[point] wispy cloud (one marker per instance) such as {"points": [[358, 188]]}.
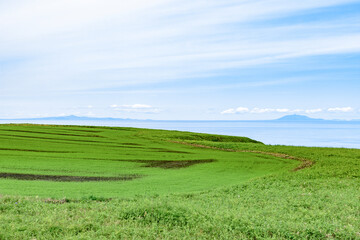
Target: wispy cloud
{"points": [[135, 108], [254, 110], [284, 110], [340, 109], [154, 41], [64, 53], [317, 110], [269, 110]]}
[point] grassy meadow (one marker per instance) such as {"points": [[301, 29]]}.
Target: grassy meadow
{"points": [[81, 182]]}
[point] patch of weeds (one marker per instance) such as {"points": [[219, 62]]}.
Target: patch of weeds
{"points": [[163, 214], [96, 198], [57, 201]]}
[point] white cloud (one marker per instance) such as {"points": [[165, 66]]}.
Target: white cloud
{"points": [[284, 110], [242, 110], [229, 111], [237, 110], [261, 110], [138, 106], [298, 110], [135, 108], [269, 110], [317, 110], [254, 110], [136, 42], [340, 109], [68, 47]]}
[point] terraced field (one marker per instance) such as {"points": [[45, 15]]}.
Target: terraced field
{"points": [[68, 161], [78, 182]]}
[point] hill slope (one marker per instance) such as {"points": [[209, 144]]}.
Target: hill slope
{"points": [[72, 161], [242, 190]]}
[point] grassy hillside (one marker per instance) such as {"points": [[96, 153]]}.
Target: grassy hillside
{"points": [[73, 182], [75, 162]]}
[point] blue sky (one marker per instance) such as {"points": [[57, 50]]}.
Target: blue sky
{"points": [[180, 59]]}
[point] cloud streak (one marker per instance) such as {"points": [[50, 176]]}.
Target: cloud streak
{"points": [[135, 108], [154, 41], [240, 110], [340, 109]]}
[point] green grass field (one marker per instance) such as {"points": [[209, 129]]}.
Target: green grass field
{"points": [[77, 182]]}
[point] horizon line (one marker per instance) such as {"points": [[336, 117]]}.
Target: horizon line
{"points": [[306, 118]]}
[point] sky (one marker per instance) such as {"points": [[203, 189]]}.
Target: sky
{"points": [[180, 59]]}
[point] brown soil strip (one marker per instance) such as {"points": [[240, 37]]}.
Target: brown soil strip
{"points": [[131, 144], [59, 178], [56, 201], [173, 164], [305, 163], [33, 150], [166, 164], [173, 151], [169, 150]]}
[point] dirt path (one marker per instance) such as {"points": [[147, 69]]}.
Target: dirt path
{"points": [[305, 163]]}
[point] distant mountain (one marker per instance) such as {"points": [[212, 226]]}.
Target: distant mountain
{"points": [[288, 118], [77, 118], [70, 117], [298, 118]]}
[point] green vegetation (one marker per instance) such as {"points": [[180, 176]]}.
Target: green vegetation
{"points": [[149, 184], [146, 162]]}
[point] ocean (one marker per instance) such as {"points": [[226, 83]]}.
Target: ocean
{"points": [[315, 134]]}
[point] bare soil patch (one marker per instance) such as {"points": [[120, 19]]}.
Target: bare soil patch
{"points": [[166, 164], [169, 150], [131, 144], [60, 178], [34, 150]]}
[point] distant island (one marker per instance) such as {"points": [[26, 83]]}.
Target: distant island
{"points": [[298, 118], [286, 118], [302, 118], [75, 118], [78, 118]]}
